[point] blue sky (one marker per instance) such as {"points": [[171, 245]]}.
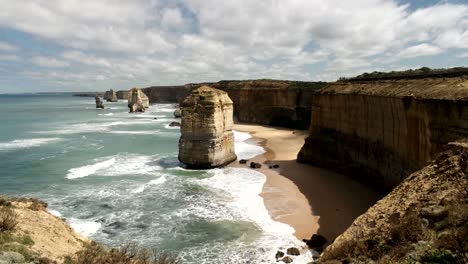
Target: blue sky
{"points": [[88, 45]]}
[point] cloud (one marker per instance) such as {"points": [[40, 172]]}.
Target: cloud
{"points": [[423, 49], [4, 46], [171, 42], [49, 62]]}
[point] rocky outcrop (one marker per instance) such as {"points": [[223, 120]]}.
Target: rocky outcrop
{"points": [[382, 131], [178, 113], [38, 236], [99, 103], [138, 101], [207, 140], [265, 102], [110, 96], [122, 95], [423, 220]]}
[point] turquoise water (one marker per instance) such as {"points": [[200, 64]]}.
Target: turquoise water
{"points": [[115, 177]]}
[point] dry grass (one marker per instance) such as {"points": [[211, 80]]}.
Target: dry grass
{"points": [[8, 219], [128, 254]]}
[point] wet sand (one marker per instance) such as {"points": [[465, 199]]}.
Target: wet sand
{"points": [[310, 199]]}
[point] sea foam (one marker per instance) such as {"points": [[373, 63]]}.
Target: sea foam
{"points": [[84, 227], [245, 149], [26, 143]]}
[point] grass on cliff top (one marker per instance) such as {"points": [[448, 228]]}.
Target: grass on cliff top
{"points": [[423, 72]]}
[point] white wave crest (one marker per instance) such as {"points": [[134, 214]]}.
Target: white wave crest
{"points": [[84, 227], [158, 181], [117, 165], [26, 143]]}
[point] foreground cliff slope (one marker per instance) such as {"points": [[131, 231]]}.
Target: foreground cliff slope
{"points": [[380, 131], [28, 232], [423, 220]]}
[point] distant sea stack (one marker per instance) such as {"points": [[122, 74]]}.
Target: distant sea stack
{"points": [[207, 140], [137, 101], [99, 103], [122, 95], [110, 96]]}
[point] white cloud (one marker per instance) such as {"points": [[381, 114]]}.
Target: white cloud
{"points": [[4, 46], [9, 57], [172, 42], [423, 49], [49, 62], [463, 55]]}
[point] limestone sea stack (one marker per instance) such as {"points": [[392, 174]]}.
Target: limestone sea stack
{"points": [[207, 140], [137, 100], [110, 96], [99, 103]]}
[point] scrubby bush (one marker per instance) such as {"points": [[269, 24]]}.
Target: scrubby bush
{"points": [[8, 219], [128, 254]]}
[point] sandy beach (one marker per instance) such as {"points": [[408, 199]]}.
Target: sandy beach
{"points": [[310, 199]]}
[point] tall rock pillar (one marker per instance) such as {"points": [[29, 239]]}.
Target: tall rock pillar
{"points": [[137, 100], [207, 140]]}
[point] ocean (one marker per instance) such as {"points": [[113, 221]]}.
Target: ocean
{"points": [[115, 177]]}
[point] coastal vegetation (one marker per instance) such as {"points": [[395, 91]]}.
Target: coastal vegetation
{"points": [[424, 72]]}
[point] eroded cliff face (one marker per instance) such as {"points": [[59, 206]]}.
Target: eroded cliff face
{"points": [[265, 102], [381, 131], [207, 140], [122, 95], [424, 219]]}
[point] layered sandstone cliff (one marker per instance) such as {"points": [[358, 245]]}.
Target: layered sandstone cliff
{"points": [[110, 96], [381, 131], [122, 95], [138, 101], [265, 102], [207, 140], [423, 220]]}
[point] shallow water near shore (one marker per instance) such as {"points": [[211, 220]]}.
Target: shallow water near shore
{"points": [[115, 177]]}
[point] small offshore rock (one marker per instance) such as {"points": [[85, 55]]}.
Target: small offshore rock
{"points": [[178, 113], [243, 161], [316, 241], [293, 251], [287, 259], [279, 254], [174, 124], [255, 165], [99, 103], [275, 166]]}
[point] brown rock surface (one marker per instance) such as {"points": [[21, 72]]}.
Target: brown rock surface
{"points": [[425, 216], [207, 140], [138, 101], [381, 131], [110, 96], [122, 95], [99, 103]]}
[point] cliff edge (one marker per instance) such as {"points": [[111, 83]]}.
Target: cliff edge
{"points": [[423, 220], [382, 131]]}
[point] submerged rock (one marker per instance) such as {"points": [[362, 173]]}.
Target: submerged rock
{"points": [[243, 161], [99, 103], [287, 259], [137, 101], [279, 254], [110, 96], [174, 124], [207, 140]]}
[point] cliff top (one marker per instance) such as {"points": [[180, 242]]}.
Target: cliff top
{"points": [[420, 73], [207, 96], [452, 88]]}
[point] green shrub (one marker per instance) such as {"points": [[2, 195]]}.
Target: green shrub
{"points": [[8, 219]]}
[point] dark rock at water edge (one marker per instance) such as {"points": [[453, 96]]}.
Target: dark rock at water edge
{"points": [[174, 124], [287, 259], [178, 113], [255, 165], [316, 242], [279, 254], [293, 251], [243, 161]]}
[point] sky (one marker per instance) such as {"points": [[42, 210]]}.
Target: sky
{"points": [[90, 45]]}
